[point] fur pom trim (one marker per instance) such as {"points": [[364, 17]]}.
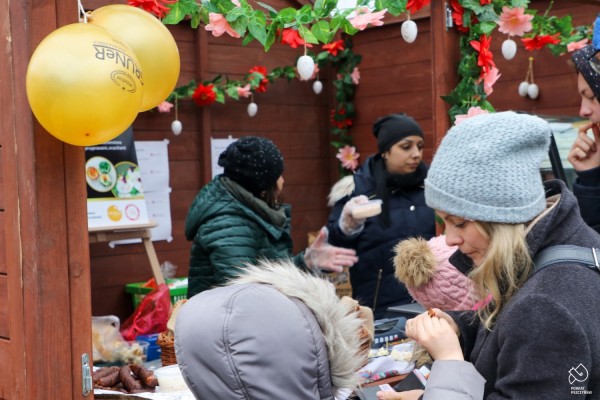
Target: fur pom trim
{"points": [[342, 188], [414, 262], [340, 321]]}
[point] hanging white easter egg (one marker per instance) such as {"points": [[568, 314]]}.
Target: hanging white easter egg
{"points": [[176, 127], [409, 31], [509, 49], [317, 87], [533, 91], [523, 86], [252, 109], [306, 67]]}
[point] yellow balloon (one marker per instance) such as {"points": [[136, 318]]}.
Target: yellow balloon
{"points": [[152, 43], [83, 84]]}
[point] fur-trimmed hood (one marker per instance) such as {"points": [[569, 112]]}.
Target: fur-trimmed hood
{"points": [[273, 333], [342, 188]]}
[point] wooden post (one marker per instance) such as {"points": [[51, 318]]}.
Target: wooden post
{"points": [[445, 57]]}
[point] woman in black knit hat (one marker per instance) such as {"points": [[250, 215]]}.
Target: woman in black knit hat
{"points": [[238, 218], [394, 175], [584, 154]]}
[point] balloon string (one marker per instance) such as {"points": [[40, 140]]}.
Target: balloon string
{"points": [[82, 12], [176, 106]]}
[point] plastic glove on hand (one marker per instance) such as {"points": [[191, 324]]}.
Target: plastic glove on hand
{"points": [[322, 255], [348, 223]]}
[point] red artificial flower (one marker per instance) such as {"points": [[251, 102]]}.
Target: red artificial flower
{"points": [[259, 69], [339, 119], [415, 5], [334, 48], [156, 7], [538, 42], [204, 95], [486, 58], [457, 15], [292, 37], [485, 2]]}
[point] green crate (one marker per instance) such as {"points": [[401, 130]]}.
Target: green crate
{"points": [[138, 292]]}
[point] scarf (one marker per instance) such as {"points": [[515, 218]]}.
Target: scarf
{"points": [[387, 183]]}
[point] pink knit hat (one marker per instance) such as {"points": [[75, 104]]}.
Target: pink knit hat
{"points": [[430, 279]]}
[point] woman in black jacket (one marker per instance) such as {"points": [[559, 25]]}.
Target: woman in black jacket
{"points": [[395, 176]]}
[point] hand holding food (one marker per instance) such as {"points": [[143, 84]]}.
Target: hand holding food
{"points": [[436, 335], [349, 224], [584, 154]]}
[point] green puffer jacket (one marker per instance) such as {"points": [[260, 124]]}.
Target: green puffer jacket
{"points": [[228, 227]]}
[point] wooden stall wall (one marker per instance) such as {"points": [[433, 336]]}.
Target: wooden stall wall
{"points": [[555, 77], [395, 76], [289, 113], [44, 268]]}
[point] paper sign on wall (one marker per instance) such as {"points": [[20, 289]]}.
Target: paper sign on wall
{"points": [[217, 146], [153, 157]]}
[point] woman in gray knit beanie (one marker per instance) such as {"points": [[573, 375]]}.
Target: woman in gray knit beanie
{"points": [[538, 336]]}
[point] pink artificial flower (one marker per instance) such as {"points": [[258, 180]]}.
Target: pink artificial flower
{"points": [[164, 107], [355, 75], [348, 157], [236, 2], [219, 25], [577, 45], [473, 111], [489, 79], [244, 91], [514, 21], [365, 17]]}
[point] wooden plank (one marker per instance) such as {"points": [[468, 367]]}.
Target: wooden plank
{"points": [[4, 319], [7, 373], [3, 243]]}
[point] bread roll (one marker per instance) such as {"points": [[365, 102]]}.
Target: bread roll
{"points": [[368, 210]]}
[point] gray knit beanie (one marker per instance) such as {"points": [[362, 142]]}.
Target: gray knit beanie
{"points": [[487, 168]]}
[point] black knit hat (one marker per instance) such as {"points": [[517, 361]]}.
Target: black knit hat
{"points": [[253, 162], [581, 58], [392, 128]]}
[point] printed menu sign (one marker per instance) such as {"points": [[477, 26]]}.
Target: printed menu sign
{"points": [[114, 185]]}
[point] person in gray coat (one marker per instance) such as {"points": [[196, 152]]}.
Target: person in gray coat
{"points": [[538, 336], [274, 332]]}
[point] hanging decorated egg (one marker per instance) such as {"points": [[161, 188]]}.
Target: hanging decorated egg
{"points": [[523, 86], [409, 31], [306, 67], [252, 109], [317, 87], [533, 91], [176, 127], [509, 49]]}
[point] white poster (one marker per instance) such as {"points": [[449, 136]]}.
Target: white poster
{"points": [[153, 159], [217, 146]]}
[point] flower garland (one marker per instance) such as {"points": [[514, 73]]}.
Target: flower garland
{"points": [[476, 20], [337, 54]]}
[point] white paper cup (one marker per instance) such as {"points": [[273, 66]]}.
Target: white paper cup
{"points": [[170, 379]]}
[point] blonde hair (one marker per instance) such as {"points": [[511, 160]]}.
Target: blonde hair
{"points": [[504, 269]]}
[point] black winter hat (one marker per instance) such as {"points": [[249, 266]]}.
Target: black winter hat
{"points": [[392, 128], [583, 60], [253, 162]]}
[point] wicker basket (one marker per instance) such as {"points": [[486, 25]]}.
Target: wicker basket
{"points": [[167, 348]]}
